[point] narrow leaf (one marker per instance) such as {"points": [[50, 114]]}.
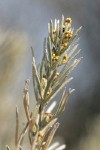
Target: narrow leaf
{"points": [[50, 136], [60, 103], [26, 100], [45, 131], [22, 134], [51, 28], [49, 50], [35, 74], [50, 82], [61, 84], [73, 50]]}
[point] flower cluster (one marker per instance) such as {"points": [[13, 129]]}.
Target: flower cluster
{"points": [[60, 44]]}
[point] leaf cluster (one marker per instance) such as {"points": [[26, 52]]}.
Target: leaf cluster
{"points": [[53, 74]]}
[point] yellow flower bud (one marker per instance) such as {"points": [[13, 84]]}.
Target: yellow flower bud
{"points": [[53, 31], [65, 57], [57, 74], [34, 129], [68, 20], [68, 34], [57, 57], [48, 93], [63, 28], [65, 44], [53, 55]]}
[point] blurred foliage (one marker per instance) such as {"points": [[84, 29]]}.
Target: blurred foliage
{"points": [[13, 48]]}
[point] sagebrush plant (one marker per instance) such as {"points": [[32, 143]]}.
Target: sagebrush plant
{"points": [[58, 61]]}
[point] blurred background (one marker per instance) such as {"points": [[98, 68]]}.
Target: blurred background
{"points": [[23, 23]]}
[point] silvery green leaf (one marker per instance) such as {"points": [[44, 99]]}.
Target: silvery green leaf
{"points": [[62, 71], [57, 35], [45, 131], [42, 68], [72, 30], [35, 116], [73, 50], [34, 81], [63, 101], [65, 72], [51, 28], [61, 77], [61, 74], [35, 75], [55, 24], [77, 31], [34, 86], [75, 34], [61, 84], [60, 103], [71, 90], [54, 65], [71, 68], [72, 45], [49, 50], [72, 57], [50, 136], [49, 82], [62, 21], [46, 59], [48, 126], [45, 49], [36, 93], [62, 147], [60, 33], [54, 145]]}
